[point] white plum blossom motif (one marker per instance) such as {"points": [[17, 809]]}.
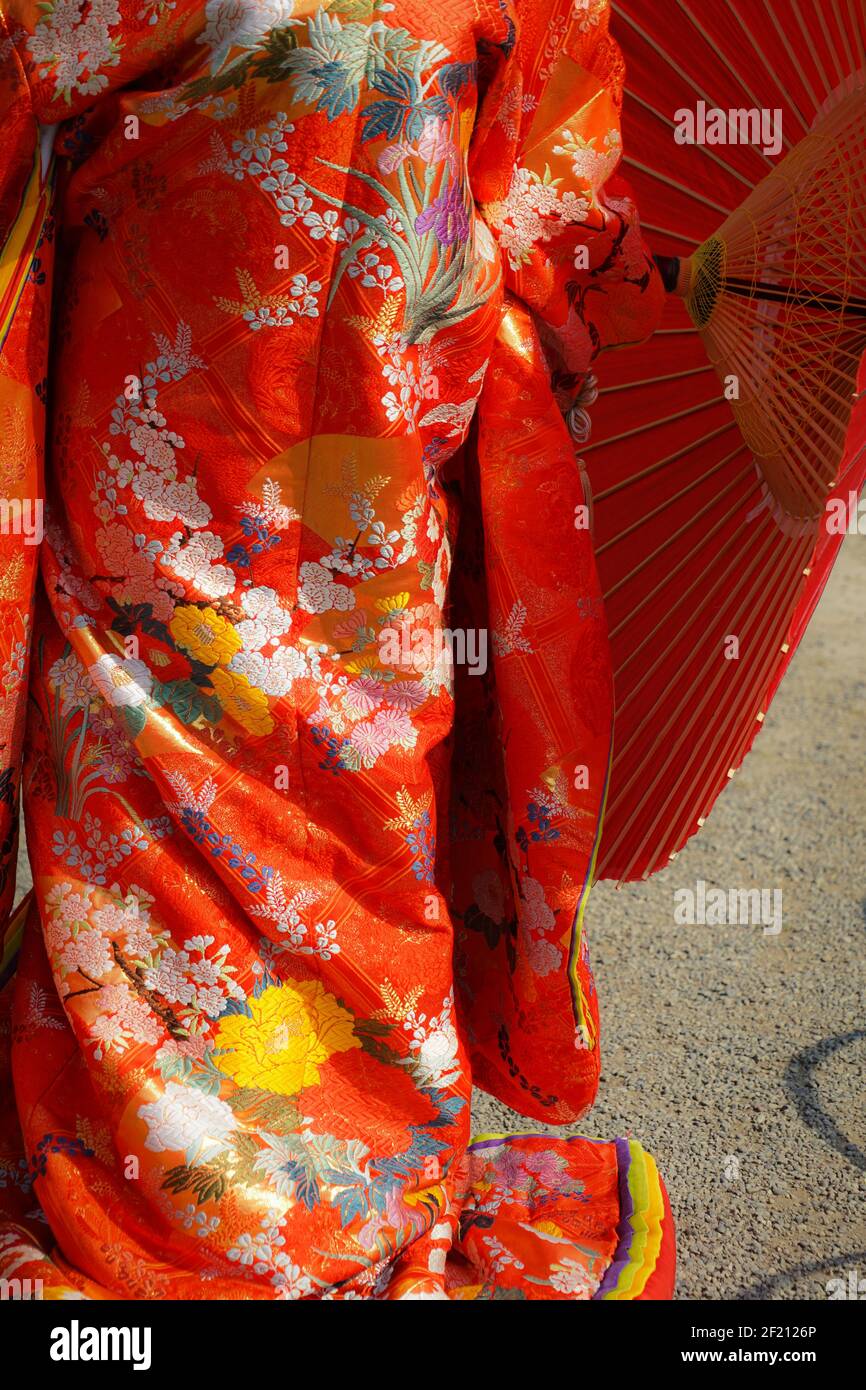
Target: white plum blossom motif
{"points": [[170, 500], [72, 41], [241, 24], [574, 1279], [434, 1046], [185, 1120], [273, 675], [319, 593], [154, 443], [122, 681], [193, 560], [266, 619]]}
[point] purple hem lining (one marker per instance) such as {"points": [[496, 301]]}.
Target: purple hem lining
{"points": [[624, 1227]]}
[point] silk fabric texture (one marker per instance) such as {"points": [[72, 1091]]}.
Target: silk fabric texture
{"points": [[325, 280]]}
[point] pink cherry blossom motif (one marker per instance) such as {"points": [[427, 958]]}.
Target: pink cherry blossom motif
{"points": [[88, 951]]}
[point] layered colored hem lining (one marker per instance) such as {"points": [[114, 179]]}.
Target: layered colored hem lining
{"points": [[644, 1265]]}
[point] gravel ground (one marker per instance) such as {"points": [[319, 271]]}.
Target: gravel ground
{"points": [[738, 1057]]}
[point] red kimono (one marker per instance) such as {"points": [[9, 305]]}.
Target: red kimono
{"points": [[312, 677]]}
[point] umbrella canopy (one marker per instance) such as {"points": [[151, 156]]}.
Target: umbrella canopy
{"points": [[727, 453]]}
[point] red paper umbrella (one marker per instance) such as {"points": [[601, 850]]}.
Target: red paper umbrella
{"points": [[718, 445]]}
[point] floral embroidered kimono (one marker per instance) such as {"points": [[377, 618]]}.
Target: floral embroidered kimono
{"points": [[310, 674]]}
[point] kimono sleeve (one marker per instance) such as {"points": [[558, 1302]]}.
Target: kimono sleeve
{"points": [[72, 53], [56, 60], [543, 165], [26, 244]]}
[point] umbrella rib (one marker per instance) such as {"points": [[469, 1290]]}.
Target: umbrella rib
{"points": [[762, 671], [806, 35], [666, 231], [668, 541], [798, 394], [666, 58], [708, 151], [663, 463], [858, 31], [843, 30], [831, 48], [733, 541], [662, 506], [656, 380], [798, 67], [732, 70], [663, 420], [680, 187], [771, 70], [745, 601]]}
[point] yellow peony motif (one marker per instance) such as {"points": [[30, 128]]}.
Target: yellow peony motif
{"points": [[205, 634], [294, 1029], [241, 701]]}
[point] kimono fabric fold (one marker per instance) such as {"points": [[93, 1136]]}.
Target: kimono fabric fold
{"points": [[315, 673]]}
